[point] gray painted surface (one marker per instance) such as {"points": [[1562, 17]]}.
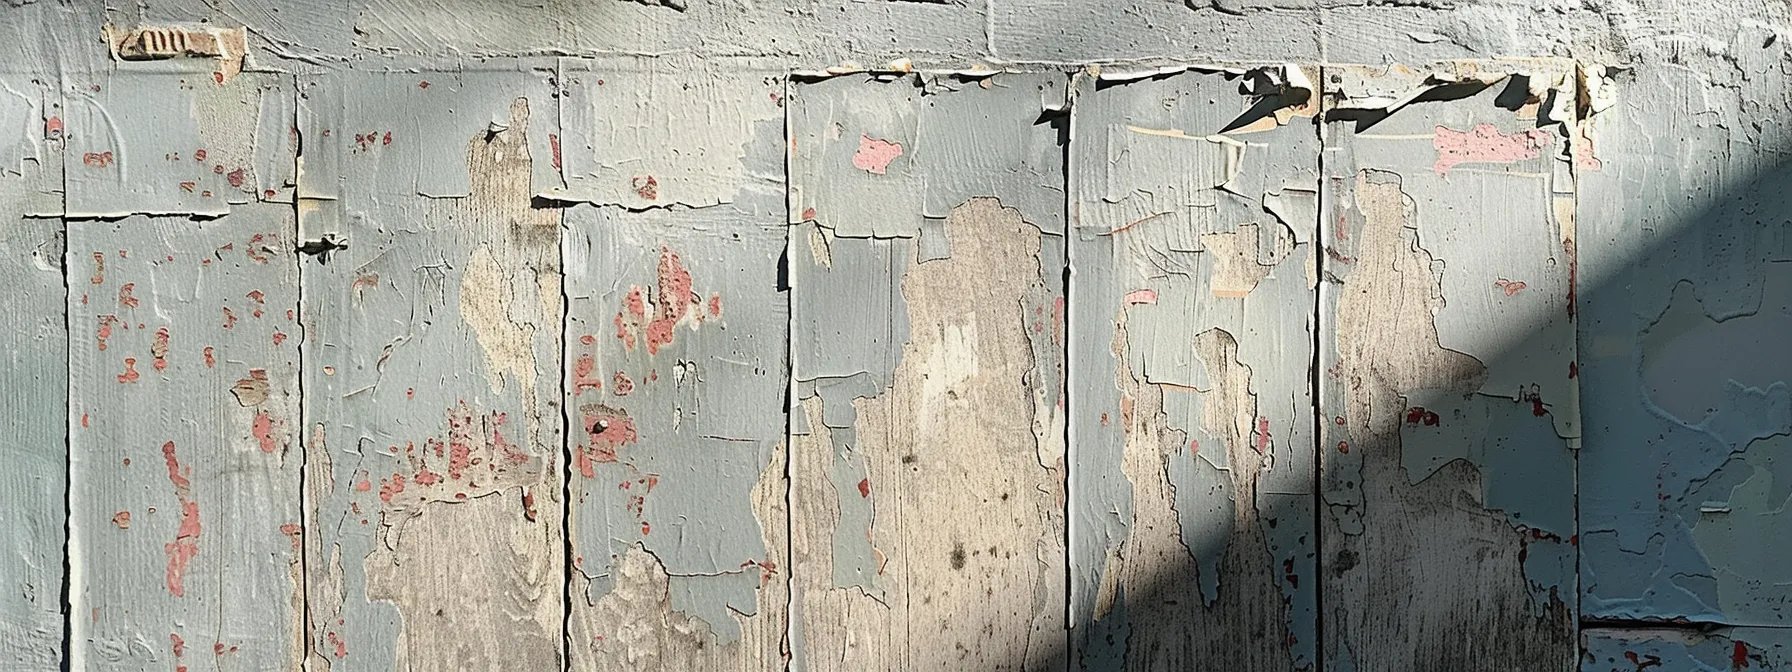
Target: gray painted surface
{"points": [[34, 365], [1191, 347]]}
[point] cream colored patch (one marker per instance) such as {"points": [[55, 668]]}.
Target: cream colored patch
{"points": [[951, 363], [228, 45], [484, 296]]}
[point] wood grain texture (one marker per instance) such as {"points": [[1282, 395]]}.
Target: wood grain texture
{"points": [[1447, 346], [927, 446], [432, 370], [676, 382], [34, 366], [1191, 333]]}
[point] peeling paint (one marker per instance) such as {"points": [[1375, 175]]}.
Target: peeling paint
{"points": [[1190, 348]]}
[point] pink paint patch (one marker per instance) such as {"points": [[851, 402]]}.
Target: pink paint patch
{"points": [[183, 548], [1144, 296], [582, 378], [1262, 435], [263, 429], [295, 532], [1485, 144], [874, 156]]}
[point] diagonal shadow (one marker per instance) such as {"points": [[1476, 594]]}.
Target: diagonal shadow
{"points": [[1684, 289]]}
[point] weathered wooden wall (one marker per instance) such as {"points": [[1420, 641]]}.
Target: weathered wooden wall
{"points": [[543, 359]]}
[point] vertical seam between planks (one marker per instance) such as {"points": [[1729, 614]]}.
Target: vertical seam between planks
{"points": [[786, 646], [567, 551], [1574, 325], [1066, 376], [1314, 380], [304, 423], [68, 432], [1070, 339]]}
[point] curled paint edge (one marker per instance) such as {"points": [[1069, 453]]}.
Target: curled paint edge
{"points": [[1544, 75]]}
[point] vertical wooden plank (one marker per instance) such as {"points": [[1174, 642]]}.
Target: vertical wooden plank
{"points": [[1688, 268], [677, 376], [34, 366], [927, 440], [184, 473], [1192, 296], [1447, 346], [432, 372]]}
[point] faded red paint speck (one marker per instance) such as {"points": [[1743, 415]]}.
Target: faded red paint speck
{"points": [[674, 300], [864, 487], [608, 430], [1141, 296], [158, 348], [582, 379], [646, 187], [130, 371], [391, 487], [125, 297]]}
